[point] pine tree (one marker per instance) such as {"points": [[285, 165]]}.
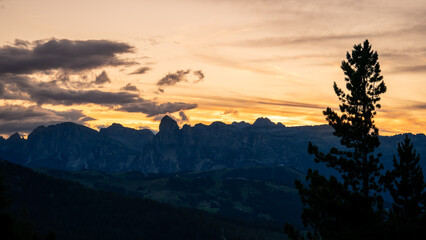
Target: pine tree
{"points": [[408, 190], [349, 208], [355, 126]]}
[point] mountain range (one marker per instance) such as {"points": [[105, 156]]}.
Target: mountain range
{"points": [[69, 146]]}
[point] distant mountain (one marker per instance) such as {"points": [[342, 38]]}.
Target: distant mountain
{"points": [[72, 211], [70, 146]]}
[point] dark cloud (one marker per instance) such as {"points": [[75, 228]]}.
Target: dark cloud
{"points": [[102, 79], [82, 81], [21, 43], [61, 96], [41, 55], [172, 79], [141, 70], [26, 88], [15, 118], [18, 113], [131, 88], [183, 117], [48, 93], [74, 115], [200, 76], [151, 108]]}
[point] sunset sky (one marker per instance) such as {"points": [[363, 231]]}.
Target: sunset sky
{"points": [[132, 61]]}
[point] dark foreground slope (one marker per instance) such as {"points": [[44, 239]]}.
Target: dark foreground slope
{"points": [[256, 194], [75, 212]]}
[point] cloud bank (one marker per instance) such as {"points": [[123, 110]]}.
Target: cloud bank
{"points": [[28, 57], [15, 118]]}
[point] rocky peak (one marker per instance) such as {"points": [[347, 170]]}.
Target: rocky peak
{"points": [[263, 122], [168, 125], [241, 124], [218, 124], [114, 128], [116, 125], [14, 138]]}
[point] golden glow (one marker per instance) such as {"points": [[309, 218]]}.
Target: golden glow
{"points": [[275, 59]]}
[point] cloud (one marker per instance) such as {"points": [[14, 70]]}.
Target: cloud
{"points": [[15, 118], [74, 115], [280, 41], [419, 106], [64, 79], [141, 70], [102, 79], [230, 112], [45, 55], [172, 79], [200, 76], [183, 117], [21, 43], [411, 69], [131, 88], [61, 96], [26, 88], [16, 112], [151, 108]]}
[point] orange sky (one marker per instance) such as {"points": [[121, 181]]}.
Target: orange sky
{"points": [[259, 58]]}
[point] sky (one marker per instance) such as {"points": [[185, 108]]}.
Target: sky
{"points": [[199, 61]]}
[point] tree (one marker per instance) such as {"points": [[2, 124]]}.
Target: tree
{"points": [[348, 206], [408, 190]]}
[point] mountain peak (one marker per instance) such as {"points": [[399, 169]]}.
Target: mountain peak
{"points": [[263, 122], [168, 124], [241, 124], [14, 137], [116, 125]]}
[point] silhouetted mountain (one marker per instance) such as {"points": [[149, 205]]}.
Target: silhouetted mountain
{"points": [[241, 124], [70, 146], [128, 136], [168, 125], [15, 138], [263, 122]]}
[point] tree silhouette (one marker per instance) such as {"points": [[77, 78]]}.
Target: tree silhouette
{"points": [[407, 188], [348, 206]]}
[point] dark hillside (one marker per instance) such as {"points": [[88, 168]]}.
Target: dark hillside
{"points": [[75, 212]]}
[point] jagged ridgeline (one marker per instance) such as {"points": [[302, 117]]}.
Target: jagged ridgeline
{"points": [[70, 146]]}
